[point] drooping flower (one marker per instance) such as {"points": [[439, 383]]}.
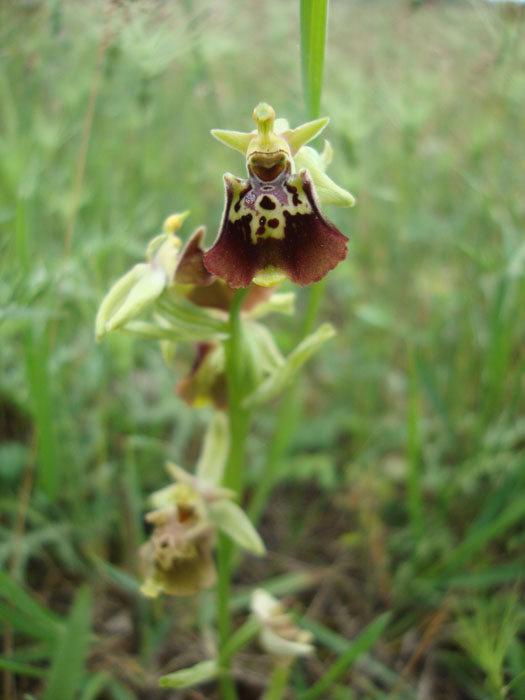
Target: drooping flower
{"points": [[177, 559], [279, 636], [272, 225]]}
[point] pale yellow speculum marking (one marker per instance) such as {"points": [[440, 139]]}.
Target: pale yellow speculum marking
{"points": [[257, 213]]}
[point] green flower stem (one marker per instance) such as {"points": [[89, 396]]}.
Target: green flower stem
{"points": [[239, 421], [288, 416], [239, 639], [278, 682]]}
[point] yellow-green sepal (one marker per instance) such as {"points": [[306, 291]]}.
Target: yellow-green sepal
{"points": [[326, 189], [300, 136], [238, 140]]}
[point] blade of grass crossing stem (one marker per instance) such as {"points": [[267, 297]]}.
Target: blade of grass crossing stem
{"points": [[356, 648], [313, 40], [70, 655]]}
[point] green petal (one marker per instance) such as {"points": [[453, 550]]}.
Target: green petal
{"points": [[238, 140], [214, 453], [304, 133], [234, 522], [326, 189]]}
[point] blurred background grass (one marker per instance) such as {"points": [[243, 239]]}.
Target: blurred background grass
{"points": [[402, 489]]}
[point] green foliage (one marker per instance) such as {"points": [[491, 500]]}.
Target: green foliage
{"points": [[71, 651], [313, 39], [403, 475]]}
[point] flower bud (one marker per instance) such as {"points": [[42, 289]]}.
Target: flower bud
{"points": [[279, 636]]}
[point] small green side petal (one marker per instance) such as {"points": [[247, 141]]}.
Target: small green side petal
{"points": [[212, 460], [238, 140], [233, 521], [326, 189], [302, 134]]}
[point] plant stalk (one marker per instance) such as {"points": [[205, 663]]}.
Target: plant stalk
{"points": [[278, 682], [239, 422], [289, 414]]}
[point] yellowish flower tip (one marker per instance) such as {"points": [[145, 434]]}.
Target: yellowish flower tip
{"points": [[184, 495], [173, 223], [264, 117]]}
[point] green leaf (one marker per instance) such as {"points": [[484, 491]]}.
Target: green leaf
{"points": [[28, 626], [313, 40], [284, 374], [94, 685], [68, 662], [116, 576], [187, 677], [40, 382], [24, 602], [21, 669], [356, 648]]}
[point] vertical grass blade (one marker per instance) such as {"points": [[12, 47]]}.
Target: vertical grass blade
{"points": [[360, 645], [37, 370], [413, 452], [70, 655], [313, 40]]}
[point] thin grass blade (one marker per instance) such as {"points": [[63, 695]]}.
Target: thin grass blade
{"points": [[313, 40], [356, 648], [70, 655]]}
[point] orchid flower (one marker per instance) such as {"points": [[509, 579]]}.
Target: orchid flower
{"points": [[272, 226]]}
